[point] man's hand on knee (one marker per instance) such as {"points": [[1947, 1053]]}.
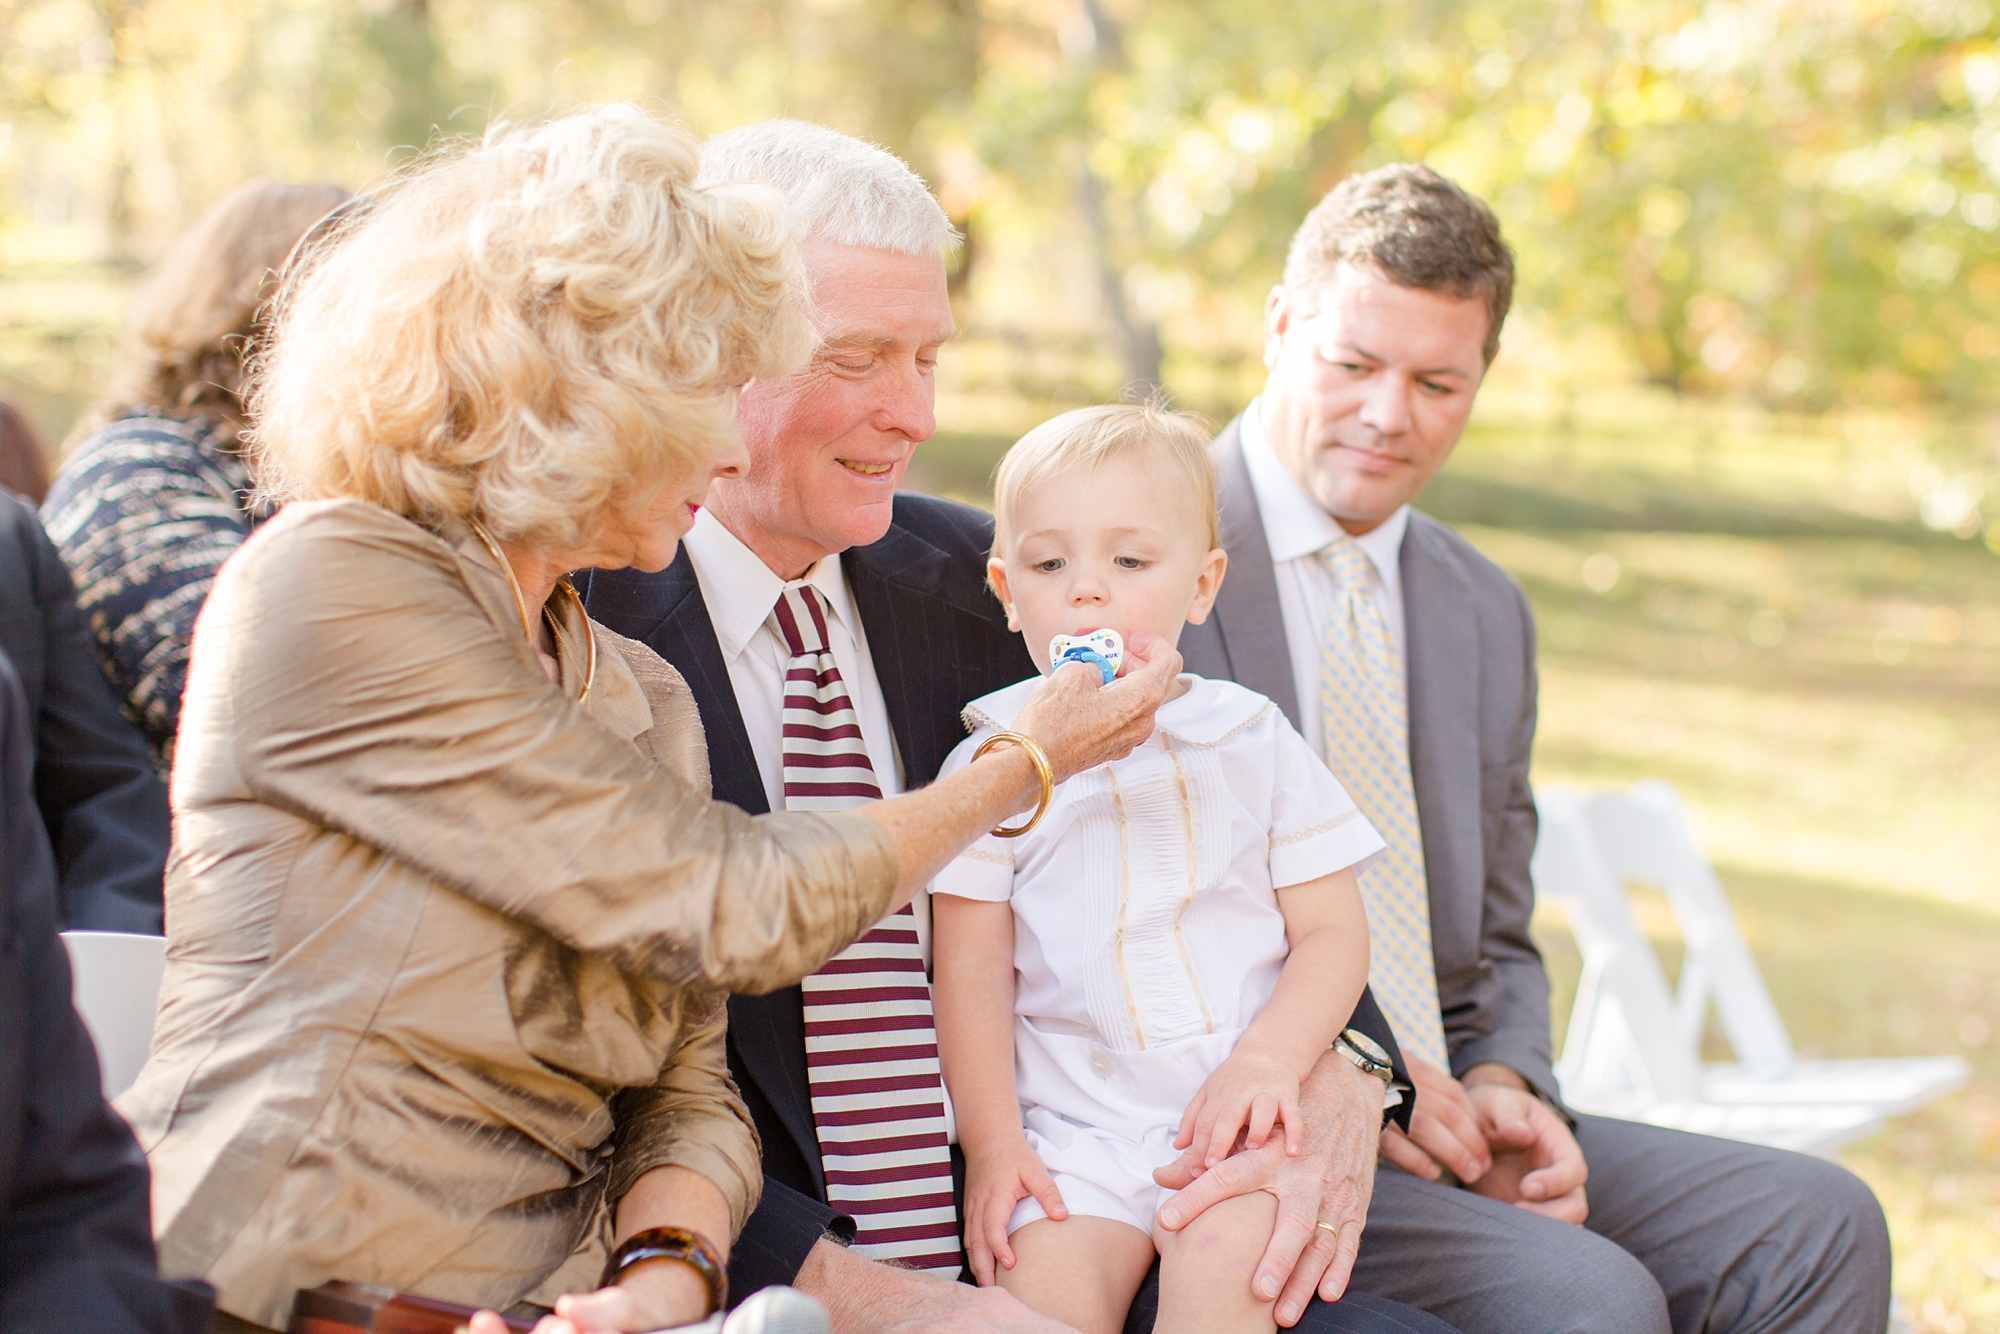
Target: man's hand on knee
{"points": [[1495, 1137], [865, 1297], [1322, 1193], [1445, 1135], [1537, 1163]]}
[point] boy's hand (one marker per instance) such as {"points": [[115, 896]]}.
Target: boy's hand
{"points": [[1249, 1092], [996, 1179]]}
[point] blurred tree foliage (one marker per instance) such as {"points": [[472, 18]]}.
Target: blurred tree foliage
{"points": [[1790, 197], [1793, 200]]}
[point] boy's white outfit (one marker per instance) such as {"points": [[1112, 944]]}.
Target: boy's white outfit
{"points": [[1147, 933]]}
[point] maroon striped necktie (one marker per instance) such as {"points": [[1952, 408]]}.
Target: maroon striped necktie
{"points": [[871, 1040]]}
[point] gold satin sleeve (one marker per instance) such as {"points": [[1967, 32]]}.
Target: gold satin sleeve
{"points": [[377, 698], [691, 1117]]}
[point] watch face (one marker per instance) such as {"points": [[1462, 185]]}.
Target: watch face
{"points": [[1367, 1046]]}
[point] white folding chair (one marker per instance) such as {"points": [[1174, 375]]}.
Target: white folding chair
{"points": [[115, 982], [1627, 1054], [1622, 1045], [1644, 836]]}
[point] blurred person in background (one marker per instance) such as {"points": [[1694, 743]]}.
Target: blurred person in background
{"points": [[24, 463], [452, 912], [75, 1249], [102, 805], [154, 491]]}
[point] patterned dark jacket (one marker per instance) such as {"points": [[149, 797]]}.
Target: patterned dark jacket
{"points": [[144, 512]]}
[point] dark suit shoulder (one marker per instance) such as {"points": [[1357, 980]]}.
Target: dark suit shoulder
{"points": [[946, 523], [23, 547], [17, 517], [22, 593], [964, 535]]}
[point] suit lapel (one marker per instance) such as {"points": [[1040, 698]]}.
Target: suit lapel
{"points": [[1442, 628], [897, 583], [685, 637], [1249, 619], [766, 1033]]}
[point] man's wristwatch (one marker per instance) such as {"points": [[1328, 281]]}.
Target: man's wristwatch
{"points": [[1366, 1054]]}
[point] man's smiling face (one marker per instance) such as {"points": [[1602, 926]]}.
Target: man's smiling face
{"points": [[829, 444], [1370, 386]]}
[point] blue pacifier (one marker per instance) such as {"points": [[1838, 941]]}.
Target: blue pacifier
{"points": [[1102, 647]]}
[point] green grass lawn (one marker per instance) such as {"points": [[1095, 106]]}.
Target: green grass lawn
{"points": [[1755, 616], [1843, 775]]}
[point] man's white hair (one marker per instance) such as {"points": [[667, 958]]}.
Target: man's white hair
{"points": [[842, 189]]}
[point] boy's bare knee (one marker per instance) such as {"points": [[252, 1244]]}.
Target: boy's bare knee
{"points": [[1242, 1222], [1082, 1271], [1205, 1268]]}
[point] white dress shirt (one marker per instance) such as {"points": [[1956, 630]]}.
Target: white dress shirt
{"points": [[740, 590], [1297, 530]]}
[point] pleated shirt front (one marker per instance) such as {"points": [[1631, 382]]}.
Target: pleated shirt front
{"points": [[1145, 908]]}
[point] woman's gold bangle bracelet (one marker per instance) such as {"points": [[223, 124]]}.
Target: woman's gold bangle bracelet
{"points": [[1040, 760]]}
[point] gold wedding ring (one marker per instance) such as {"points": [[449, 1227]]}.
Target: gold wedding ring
{"points": [[1329, 1227]]}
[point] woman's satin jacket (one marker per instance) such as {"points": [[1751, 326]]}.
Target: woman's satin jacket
{"points": [[447, 947]]}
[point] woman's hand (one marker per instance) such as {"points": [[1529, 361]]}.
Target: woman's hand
{"points": [[1081, 723], [1251, 1089], [652, 1296], [997, 1178]]}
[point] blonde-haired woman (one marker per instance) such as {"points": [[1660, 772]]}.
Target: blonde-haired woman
{"points": [[450, 912]]}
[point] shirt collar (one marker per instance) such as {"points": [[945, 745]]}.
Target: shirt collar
{"points": [[740, 589], [1383, 545], [1294, 524], [1207, 713]]}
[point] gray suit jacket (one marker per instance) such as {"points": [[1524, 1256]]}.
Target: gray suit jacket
{"points": [[1471, 664]]}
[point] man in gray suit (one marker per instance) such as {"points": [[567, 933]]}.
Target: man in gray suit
{"points": [[1407, 658]]}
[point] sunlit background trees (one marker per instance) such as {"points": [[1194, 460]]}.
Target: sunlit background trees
{"points": [[1742, 445], [1789, 201]]}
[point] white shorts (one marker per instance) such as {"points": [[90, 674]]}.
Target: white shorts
{"points": [[1100, 1175]]}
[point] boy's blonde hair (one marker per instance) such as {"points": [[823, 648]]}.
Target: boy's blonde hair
{"points": [[1087, 437], [536, 331]]}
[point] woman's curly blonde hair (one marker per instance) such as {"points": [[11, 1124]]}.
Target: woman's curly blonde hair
{"points": [[537, 332]]}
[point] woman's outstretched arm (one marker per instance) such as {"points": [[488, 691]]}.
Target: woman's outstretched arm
{"points": [[371, 693]]}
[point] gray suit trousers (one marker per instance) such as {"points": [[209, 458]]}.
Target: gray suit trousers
{"points": [[1686, 1234]]}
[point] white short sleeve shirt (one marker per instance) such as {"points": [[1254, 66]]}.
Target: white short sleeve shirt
{"points": [[1145, 907]]}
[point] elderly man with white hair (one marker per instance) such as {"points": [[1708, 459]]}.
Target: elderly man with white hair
{"points": [[810, 567]]}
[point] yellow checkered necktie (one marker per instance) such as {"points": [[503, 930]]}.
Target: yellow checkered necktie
{"points": [[1366, 721]]}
